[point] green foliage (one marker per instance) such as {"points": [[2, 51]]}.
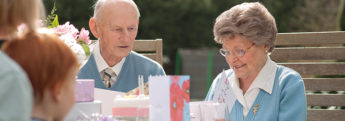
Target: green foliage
{"points": [[55, 22], [180, 23], [78, 12], [189, 23], [52, 19], [85, 47]]}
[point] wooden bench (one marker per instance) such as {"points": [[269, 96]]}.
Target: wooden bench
{"points": [[312, 54], [316, 55], [150, 48]]}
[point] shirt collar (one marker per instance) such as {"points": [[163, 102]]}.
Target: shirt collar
{"points": [[236, 87], [264, 80], [101, 64]]}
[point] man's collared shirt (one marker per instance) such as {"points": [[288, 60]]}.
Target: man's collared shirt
{"points": [[264, 80], [101, 64]]}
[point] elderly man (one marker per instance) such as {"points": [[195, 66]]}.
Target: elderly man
{"points": [[113, 64]]}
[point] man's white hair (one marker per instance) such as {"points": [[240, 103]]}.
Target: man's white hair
{"points": [[100, 3]]}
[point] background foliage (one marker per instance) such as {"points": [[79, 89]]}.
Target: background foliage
{"points": [[188, 23]]}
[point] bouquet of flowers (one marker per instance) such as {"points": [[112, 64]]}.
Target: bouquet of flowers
{"points": [[78, 41]]}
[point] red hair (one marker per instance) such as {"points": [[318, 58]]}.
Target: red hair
{"points": [[46, 59]]}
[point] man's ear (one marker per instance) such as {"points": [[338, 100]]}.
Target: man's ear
{"points": [[93, 27]]}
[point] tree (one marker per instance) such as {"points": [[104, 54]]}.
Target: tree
{"points": [[78, 12], [180, 23]]}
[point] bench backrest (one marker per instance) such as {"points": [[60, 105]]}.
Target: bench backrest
{"points": [[320, 58], [150, 48]]}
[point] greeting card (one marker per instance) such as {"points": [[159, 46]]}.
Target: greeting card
{"points": [[224, 92], [169, 98]]}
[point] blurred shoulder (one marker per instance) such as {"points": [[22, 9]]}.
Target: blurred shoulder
{"points": [[288, 76], [9, 68]]}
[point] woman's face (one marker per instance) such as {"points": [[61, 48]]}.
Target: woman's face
{"points": [[253, 59]]}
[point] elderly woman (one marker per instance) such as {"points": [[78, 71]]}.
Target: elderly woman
{"points": [[264, 90]]}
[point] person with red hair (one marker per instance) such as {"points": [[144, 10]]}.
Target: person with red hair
{"points": [[51, 67]]}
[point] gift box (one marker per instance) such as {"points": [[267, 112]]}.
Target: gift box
{"points": [[83, 111], [85, 90]]}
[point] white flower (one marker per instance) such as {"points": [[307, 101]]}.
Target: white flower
{"points": [[79, 51], [75, 47], [68, 39]]}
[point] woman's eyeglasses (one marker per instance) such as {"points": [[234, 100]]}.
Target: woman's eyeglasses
{"points": [[237, 52]]}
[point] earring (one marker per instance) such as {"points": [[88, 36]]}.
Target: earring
{"points": [[267, 53]]}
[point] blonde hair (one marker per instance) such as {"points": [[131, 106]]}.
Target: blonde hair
{"points": [[15, 12], [249, 20]]}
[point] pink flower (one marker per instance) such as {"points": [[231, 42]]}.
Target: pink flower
{"points": [[185, 88], [67, 29], [84, 35], [176, 102], [40, 23]]}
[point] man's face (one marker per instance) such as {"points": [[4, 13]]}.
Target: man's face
{"points": [[118, 27]]}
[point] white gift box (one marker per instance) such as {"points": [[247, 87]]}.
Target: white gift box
{"points": [[82, 111]]}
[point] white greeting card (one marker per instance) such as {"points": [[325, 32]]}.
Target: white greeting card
{"points": [[224, 92]]}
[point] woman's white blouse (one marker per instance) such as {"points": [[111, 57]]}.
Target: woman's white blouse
{"points": [[264, 80]]}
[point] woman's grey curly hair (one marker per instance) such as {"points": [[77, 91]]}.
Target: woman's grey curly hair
{"points": [[249, 20]]}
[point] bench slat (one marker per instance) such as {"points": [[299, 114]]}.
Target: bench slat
{"points": [[301, 53], [326, 115], [317, 68], [324, 84], [149, 55], [159, 51], [310, 38], [145, 45], [153, 47], [326, 100]]}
